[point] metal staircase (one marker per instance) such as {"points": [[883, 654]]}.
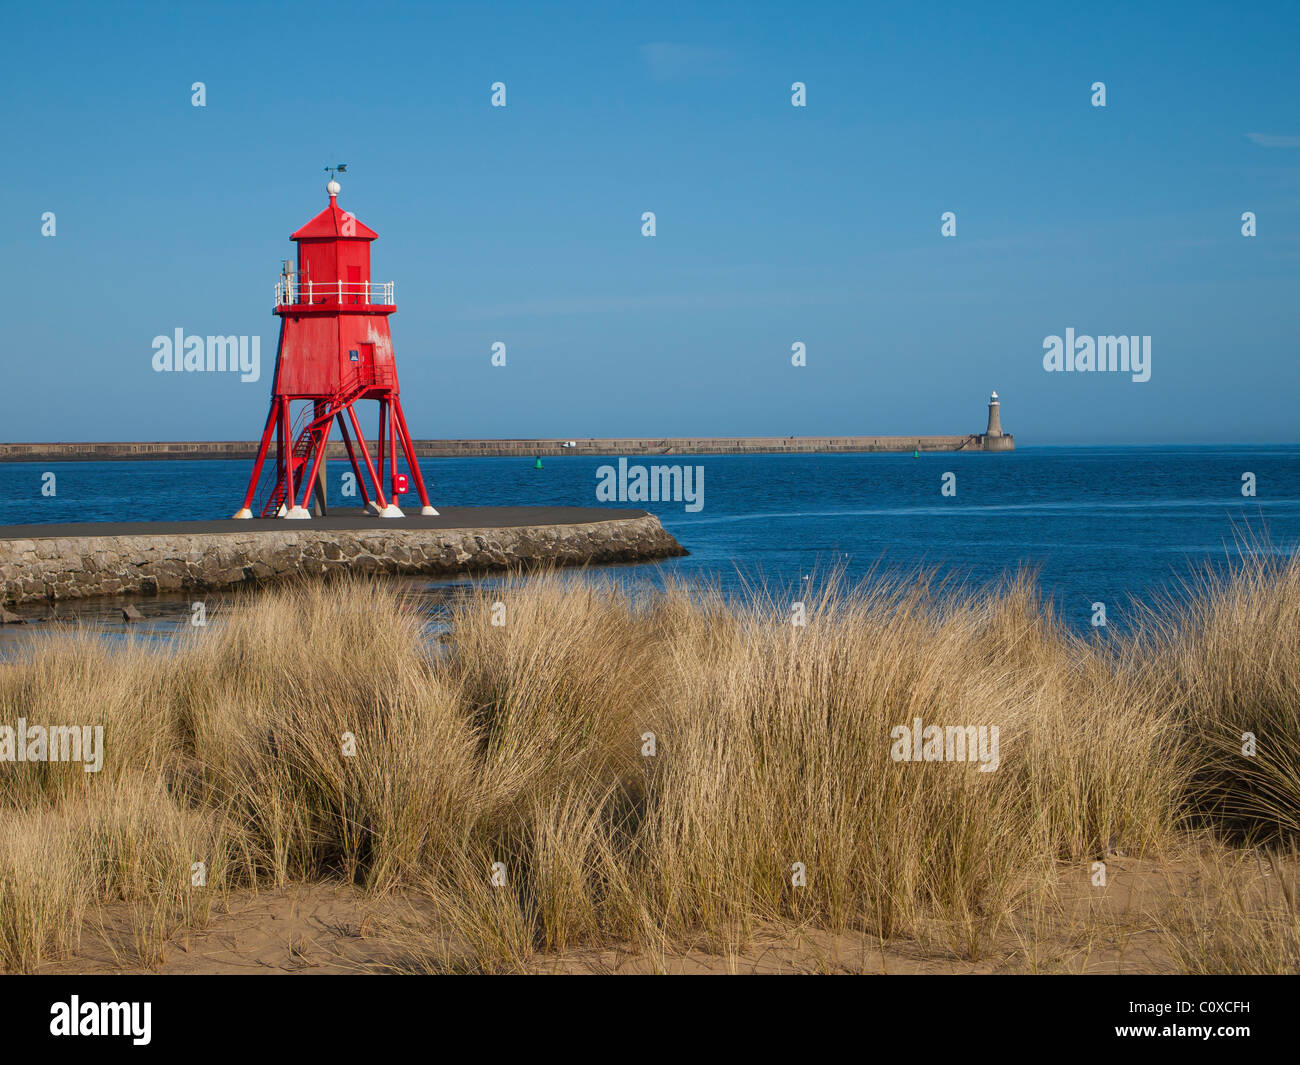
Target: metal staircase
{"points": [[309, 432]]}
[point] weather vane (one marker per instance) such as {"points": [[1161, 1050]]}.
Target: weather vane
{"points": [[342, 168]]}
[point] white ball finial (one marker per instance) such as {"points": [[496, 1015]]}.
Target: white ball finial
{"points": [[333, 187]]}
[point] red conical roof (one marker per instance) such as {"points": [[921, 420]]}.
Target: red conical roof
{"points": [[328, 225]]}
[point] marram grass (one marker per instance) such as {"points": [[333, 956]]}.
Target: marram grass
{"points": [[655, 773]]}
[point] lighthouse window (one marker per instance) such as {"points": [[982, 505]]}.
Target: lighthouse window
{"points": [[354, 355]]}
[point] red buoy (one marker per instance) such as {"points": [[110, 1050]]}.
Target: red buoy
{"points": [[335, 351]]}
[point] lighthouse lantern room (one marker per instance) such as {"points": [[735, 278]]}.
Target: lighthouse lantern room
{"points": [[335, 351]]}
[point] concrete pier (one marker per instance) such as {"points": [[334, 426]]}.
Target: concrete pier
{"points": [[51, 562], [602, 446]]}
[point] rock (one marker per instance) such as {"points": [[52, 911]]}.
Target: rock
{"points": [[7, 618], [130, 613]]}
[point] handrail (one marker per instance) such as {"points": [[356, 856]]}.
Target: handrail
{"points": [[289, 292]]}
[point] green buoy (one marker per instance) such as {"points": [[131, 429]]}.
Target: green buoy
{"points": [[538, 464], [915, 454]]}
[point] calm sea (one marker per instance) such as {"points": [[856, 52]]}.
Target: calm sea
{"points": [[1099, 524]]}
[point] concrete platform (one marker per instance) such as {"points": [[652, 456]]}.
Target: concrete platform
{"points": [[338, 519], [90, 559]]}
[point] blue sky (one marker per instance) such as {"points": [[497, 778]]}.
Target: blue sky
{"points": [[775, 224]]}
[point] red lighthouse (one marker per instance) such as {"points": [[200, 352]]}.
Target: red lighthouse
{"points": [[335, 350]]}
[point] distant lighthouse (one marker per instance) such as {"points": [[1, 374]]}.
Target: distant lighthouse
{"points": [[995, 417], [994, 439]]}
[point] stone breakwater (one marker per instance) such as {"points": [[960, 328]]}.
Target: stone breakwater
{"points": [[76, 567], [592, 447]]}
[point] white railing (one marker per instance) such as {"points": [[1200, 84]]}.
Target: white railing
{"points": [[289, 292]]}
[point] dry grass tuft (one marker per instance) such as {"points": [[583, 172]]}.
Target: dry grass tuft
{"points": [[503, 784]]}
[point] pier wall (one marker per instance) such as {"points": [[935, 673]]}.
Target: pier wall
{"points": [[741, 445], [73, 567]]}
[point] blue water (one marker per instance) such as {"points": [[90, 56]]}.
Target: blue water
{"points": [[1099, 524]]}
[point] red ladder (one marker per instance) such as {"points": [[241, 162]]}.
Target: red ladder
{"points": [[307, 437]]}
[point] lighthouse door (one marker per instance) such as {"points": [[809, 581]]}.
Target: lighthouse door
{"points": [[365, 365]]}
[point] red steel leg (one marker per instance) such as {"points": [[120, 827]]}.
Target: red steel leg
{"points": [[261, 455], [309, 482], [392, 452], [286, 454], [400, 416], [352, 457], [365, 454], [383, 438]]}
